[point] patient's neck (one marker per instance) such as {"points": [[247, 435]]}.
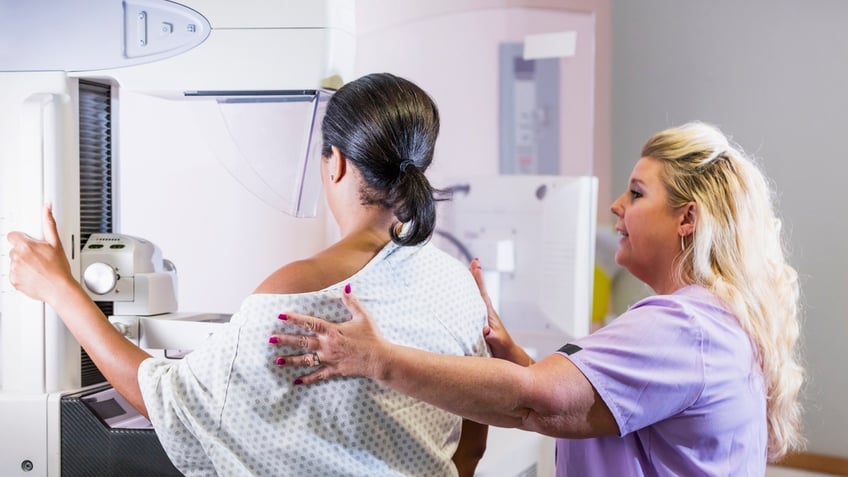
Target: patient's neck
{"points": [[366, 225]]}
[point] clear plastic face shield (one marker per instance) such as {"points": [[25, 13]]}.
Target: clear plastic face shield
{"points": [[269, 141]]}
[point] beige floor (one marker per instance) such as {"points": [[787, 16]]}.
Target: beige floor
{"points": [[774, 471]]}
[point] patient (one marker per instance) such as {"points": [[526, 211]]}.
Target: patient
{"points": [[227, 408]]}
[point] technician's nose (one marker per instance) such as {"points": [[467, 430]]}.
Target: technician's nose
{"points": [[616, 208]]}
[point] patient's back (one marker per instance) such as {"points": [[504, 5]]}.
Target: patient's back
{"points": [[246, 417]]}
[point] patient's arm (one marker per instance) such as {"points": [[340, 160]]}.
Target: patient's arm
{"points": [[40, 269], [471, 447]]}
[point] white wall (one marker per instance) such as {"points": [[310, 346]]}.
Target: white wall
{"points": [[772, 73], [451, 51]]}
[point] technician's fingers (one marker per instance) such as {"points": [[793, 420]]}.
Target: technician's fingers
{"points": [[477, 273], [296, 361], [353, 305], [307, 360], [342, 349], [301, 342], [308, 323], [312, 378]]}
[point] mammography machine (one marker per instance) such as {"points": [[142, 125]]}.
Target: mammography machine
{"points": [[535, 238], [63, 68]]}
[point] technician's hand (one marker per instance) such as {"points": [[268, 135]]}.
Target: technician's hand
{"points": [[39, 268], [352, 348], [495, 334]]}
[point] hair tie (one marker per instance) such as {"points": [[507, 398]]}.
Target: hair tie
{"points": [[404, 164]]}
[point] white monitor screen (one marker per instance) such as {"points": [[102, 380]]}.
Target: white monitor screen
{"points": [[535, 238]]}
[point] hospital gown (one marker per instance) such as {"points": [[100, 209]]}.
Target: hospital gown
{"points": [[227, 409]]}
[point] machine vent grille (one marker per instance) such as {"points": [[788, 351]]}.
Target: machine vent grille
{"points": [[95, 140], [95, 111]]}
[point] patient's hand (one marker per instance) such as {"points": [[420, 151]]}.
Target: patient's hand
{"points": [[39, 268], [495, 334]]}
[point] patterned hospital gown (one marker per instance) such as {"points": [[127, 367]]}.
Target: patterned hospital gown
{"points": [[227, 409]]}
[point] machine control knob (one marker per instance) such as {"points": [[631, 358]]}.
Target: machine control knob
{"points": [[100, 278], [122, 328]]}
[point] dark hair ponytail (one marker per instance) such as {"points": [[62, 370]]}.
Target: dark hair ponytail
{"points": [[387, 126], [415, 206]]}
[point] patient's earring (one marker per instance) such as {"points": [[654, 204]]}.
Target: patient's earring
{"points": [[682, 244]]}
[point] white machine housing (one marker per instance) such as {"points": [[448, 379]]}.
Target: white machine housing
{"points": [[130, 272], [248, 48], [250, 45], [535, 238]]}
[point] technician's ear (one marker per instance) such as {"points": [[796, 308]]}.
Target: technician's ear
{"points": [[337, 166], [688, 219]]}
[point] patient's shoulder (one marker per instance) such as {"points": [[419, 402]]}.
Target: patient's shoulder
{"points": [[324, 269], [301, 276]]}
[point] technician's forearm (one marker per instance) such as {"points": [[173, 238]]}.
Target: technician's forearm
{"points": [[116, 357], [485, 390]]}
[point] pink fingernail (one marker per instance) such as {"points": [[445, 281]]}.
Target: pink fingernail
{"points": [[283, 316], [298, 381], [273, 340], [347, 289], [281, 361]]}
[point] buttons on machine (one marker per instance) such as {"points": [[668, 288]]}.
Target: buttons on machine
{"points": [[152, 29]]}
